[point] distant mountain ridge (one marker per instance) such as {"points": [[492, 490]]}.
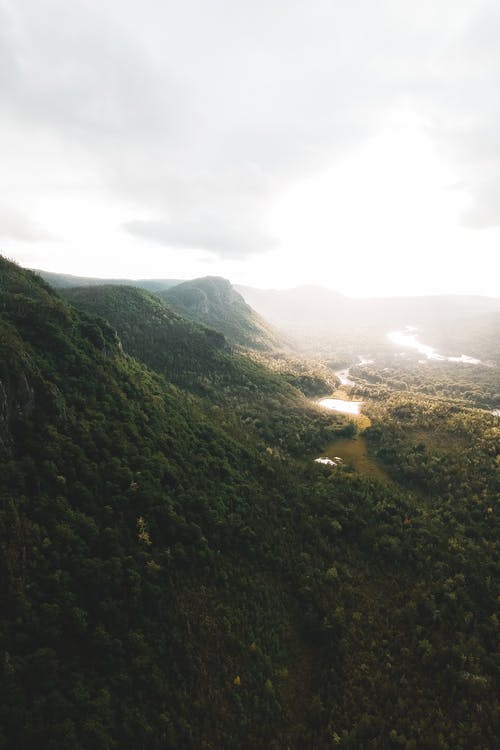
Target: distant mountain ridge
{"points": [[66, 280], [211, 301], [261, 319], [318, 312]]}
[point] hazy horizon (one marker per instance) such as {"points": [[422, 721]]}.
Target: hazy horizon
{"points": [[272, 144], [257, 288]]}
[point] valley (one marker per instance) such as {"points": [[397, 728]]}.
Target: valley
{"points": [[179, 570]]}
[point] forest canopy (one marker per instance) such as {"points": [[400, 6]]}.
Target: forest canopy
{"points": [[176, 571]]}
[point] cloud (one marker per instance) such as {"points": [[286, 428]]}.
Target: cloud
{"points": [[463, 111], [227, 242], [15, 225], [201, 114]]}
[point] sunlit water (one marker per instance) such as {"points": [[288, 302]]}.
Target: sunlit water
{"points": [[408, 338], [327, 461], [338, 404], [343, 375]]}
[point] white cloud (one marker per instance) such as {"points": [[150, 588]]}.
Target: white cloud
{"points": [[17, 226], [197, 117], [225, 241]]}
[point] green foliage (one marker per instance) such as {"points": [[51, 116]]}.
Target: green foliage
{"points": [[190, 355], [245, 395], [472, 385], [171, 577]]}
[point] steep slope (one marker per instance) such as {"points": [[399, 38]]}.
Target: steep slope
{"points": [[199, 359], [214, 302], [187, 353], [123, 509]]}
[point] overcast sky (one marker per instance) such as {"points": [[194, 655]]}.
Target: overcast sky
{"points": [[352, 144]]}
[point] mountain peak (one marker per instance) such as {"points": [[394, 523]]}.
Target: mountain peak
{"points": [[213, 301]]}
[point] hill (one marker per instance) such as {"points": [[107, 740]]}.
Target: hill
{"points": [[314, 313], [214, 302]]}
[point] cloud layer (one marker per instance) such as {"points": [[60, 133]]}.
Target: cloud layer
{"points": [[198, 114]]}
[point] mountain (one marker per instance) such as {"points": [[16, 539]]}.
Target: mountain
{"points": [[310, 312], [64, 280], [130, 527], [304, 308], [177, 572], [152, 332], [479, 336], [214, 302], [200, 360], [192, 355]]}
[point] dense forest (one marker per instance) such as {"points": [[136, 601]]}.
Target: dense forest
{"points": [[176, 570]]}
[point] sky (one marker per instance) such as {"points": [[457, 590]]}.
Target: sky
{"points": [[354, 145]]}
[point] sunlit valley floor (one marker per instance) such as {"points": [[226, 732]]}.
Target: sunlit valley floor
{"points": [[178, 568]]}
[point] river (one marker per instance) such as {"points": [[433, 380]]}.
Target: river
{"points": [[408, 339], [349, 452], [352, 452], [343, 376], [343, 405]]}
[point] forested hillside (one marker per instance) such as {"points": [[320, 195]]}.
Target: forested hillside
{"points": [[202, 361], [180, 574], [214, 302], [149, 330]]}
